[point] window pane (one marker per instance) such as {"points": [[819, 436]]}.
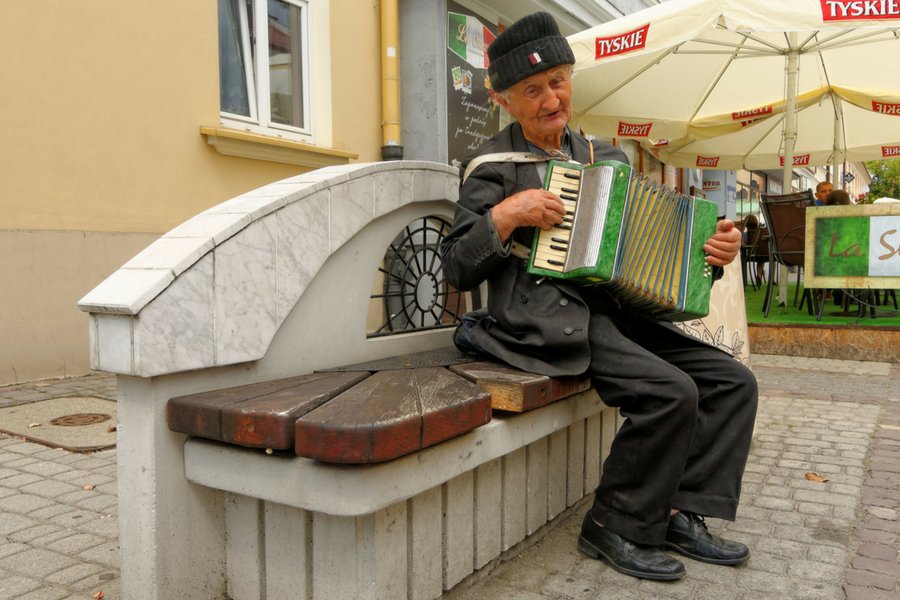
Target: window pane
{"points": [[285, 76], [233, 93]]}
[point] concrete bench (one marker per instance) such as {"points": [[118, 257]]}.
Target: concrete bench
{"points": [[282, 283]]}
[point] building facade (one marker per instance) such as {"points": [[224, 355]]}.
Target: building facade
{"points": [[123, 120]]}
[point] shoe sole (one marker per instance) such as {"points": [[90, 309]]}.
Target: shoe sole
{"points": [[594, 552], [712, 561]]}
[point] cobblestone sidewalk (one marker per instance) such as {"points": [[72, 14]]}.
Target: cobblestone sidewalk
{"points": [[815, 540], [810, 540]]}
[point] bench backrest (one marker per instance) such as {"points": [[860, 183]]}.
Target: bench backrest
{"points": [[231, 285]]}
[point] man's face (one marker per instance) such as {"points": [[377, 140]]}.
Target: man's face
{"points": [[542, 103], [823, 191]]}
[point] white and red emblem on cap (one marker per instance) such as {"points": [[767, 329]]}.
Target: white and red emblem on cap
{"points": [[534, 58]]}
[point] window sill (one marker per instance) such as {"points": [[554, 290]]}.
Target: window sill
{"points": [[243, 144]]}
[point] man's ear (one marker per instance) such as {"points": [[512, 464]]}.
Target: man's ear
{"points": [[496, 97]]}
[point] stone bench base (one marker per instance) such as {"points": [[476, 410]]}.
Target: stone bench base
{"points": [[409, 528]]}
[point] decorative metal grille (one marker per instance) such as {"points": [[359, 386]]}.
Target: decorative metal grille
{"points": [[414, 295]]}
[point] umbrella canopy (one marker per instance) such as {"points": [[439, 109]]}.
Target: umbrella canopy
{"points": [[735, 84]]}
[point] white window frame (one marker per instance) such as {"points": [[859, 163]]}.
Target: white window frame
{"points": [[260, 119]]}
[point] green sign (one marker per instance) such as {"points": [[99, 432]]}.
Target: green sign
{"points": [[853, 246], [842, 247]]}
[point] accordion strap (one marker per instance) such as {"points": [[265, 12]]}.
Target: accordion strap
{"points": [[516, 157]]}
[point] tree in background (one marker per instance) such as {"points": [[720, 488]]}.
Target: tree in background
{"points": [[885, 179]]}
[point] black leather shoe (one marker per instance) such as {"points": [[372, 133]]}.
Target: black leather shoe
{"points": [[645, 562], [688, 534]]}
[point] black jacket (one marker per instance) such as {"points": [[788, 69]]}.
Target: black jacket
{"points": [[536, 325]]}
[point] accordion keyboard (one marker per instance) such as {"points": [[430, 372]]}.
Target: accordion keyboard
{"points": [[553, 244]]}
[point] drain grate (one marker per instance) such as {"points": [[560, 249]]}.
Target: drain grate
{"points": [[80, 419], [74, 423]]}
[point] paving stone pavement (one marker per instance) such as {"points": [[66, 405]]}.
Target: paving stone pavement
{"points": [[810, 540]]}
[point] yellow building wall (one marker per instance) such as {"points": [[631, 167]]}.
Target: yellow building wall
{"points": [[100, 115]]}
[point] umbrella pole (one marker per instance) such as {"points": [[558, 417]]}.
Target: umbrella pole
{"points": [[840, 144], [790, 137], [790, 113]]}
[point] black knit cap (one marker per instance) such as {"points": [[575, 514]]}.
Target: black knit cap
{"points": [[531, 45]]}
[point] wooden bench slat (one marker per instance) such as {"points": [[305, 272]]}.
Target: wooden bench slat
{"points": [[268, 421], [390, 414], [440, 357], [518, 391], [259, 415]]}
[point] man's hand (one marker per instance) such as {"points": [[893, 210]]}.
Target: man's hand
{"points": [[724, 245], [528, 208]]}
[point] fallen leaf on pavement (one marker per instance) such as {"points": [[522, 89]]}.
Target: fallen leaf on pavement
{"points": [[31, 425], [813, 476], [88, 486], [98, 596]]}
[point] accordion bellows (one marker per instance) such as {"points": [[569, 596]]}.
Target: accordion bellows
{"points": [[641, 240]]}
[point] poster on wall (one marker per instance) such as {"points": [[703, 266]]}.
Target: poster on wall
{"points": [[472, 118]]}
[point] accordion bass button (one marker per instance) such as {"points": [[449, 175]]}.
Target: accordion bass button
{"points": [[564, 302], [523, 299], [569, 330]]}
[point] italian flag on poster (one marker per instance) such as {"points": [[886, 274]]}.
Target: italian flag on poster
{"points": [[469, 39]]}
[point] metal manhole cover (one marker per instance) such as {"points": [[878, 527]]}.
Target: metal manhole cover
{"points": [[80, 419]]}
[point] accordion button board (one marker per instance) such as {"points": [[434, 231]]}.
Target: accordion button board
{"points": [[640, 239]]}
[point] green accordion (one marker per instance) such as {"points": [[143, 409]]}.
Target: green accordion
{"points": [[640, 240]]}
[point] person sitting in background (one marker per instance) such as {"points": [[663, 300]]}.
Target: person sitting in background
{"points": [[837, 198], [822, 190]]}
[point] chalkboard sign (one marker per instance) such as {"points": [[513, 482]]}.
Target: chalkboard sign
{"points": [[855, 246], [472, 118]]}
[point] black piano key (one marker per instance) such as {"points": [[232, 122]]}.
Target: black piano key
{"points": [[560, 248], [555, 262]]}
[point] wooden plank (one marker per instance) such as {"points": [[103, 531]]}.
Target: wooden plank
{"points": [[390, 414], [199, 414], [450, 404], [441, 357], [518, 391], [259, 415], [269, 421]]}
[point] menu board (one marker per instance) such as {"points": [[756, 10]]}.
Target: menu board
{"points": [[472, 117]]}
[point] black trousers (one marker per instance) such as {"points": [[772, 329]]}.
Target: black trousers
{"points": [[689, 413]]}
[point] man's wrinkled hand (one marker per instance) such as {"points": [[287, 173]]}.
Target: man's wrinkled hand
{"points": [[724, 244], [528, 208]]}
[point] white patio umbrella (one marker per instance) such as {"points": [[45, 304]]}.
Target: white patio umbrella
{"points": [[734, 84]]}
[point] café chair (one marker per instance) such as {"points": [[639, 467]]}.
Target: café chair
{"points": [[888, 296], [759, 255], [751, 254], [785, 217]]}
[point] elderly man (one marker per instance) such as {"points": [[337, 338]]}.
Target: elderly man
{"points": [[689, 407]]}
